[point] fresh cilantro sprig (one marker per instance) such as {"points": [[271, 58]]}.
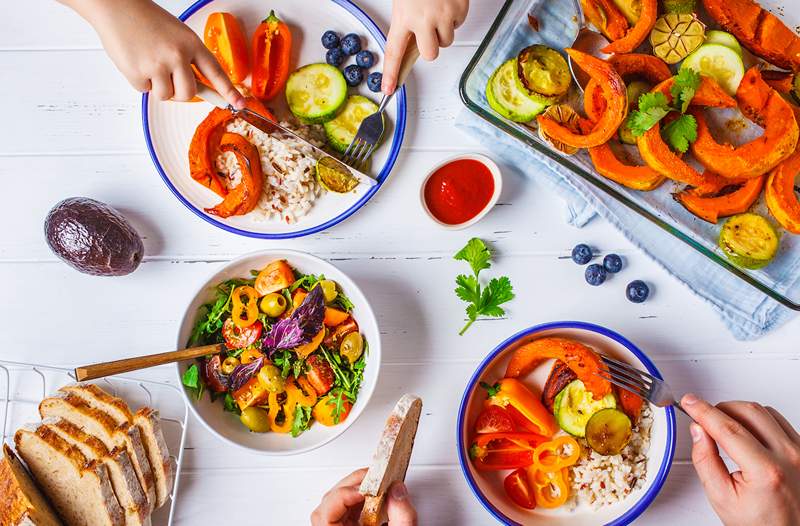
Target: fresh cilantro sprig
{"points": [[483, 301], [653, 107]]}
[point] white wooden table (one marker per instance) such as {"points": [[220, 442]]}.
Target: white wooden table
{"points": [[71, 126]]}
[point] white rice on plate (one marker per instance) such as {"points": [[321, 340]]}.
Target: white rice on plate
{"points": [[290, 185]]}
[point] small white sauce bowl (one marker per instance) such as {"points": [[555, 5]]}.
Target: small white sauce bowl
{"points": [[498, 187]]}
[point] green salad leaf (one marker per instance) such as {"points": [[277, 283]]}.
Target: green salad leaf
{"points": [[302, 420], [191, 378], [207, 329], [230, 404]]}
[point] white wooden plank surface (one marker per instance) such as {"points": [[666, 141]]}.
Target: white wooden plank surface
{"points": [[76, 131]]}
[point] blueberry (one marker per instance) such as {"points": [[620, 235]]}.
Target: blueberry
{"points": [[353, 75], [595, 274], [334, 56], [612, 263], [581, 254], [374, 82], [365, 59], [330, 40], [637, 291], [351, 44]]}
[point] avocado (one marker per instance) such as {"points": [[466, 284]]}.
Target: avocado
{"points": [[93, 238]]}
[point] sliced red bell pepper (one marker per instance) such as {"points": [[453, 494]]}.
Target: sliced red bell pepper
{"points": [[513, 393], [495, 451], [272, 46], [224, 38], [494, 419]]}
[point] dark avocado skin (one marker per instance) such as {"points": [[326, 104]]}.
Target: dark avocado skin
{"points": [[93, 238]]}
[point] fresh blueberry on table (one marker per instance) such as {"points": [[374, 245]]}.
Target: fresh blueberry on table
{"points": [[353, 75], [637, 291], [365, 59], [351, 44], [595, 274], [612, 263], [581, 254], [334, 56], [330, 40], [374, 81]]}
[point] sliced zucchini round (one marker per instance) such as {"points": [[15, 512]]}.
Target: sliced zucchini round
{"points": [[506, 98], [749, 241], [315, 93], [716, 36], [608, 431], [575, 405], [334, 176], [719, 62], [342, 129], [543, 73]]}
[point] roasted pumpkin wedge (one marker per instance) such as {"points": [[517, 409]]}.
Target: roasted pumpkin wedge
{"points": [[628, 66], [780, 194], [245, 195], [606, 125], [608, 165], [711, 208], [639, 32], [607, 17]]}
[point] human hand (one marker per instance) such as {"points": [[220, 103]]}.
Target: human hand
{"points": [[766, 489], [431, 22], [341, 506], [154, 50]]}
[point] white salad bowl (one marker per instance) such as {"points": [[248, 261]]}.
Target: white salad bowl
{"points": [[227, 426], [487, 486]]}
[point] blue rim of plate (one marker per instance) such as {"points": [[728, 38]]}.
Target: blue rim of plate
{"points": [[666, 463], [397, 140]]}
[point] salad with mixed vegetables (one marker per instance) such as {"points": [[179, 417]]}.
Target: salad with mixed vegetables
{"points": [[293, 353]]}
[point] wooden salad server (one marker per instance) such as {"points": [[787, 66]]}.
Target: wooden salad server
{"points": [[126, 365]]}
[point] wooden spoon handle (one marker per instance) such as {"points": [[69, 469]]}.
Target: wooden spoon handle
{"points": [[100, 370]]}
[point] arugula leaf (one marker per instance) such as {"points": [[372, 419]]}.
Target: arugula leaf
{"points": [[302, 419], [681, 132], [337, 401], [230, 405], [210, 317], [307, 281], [652, 108], [491, 390], [283, 360], [476, 254], [344, 302], [191, 378], [686, 83]]}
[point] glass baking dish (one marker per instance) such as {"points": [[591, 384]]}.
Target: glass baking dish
{"points": [[557, 23]]}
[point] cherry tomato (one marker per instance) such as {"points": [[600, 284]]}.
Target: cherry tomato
{"points": [[494, 419], [240, 337], [519, 490]]}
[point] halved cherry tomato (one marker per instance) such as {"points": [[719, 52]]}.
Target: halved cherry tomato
{"points": [[223, 37], [320, 374], [494, 419], [518, 489], [240, 337], [495, 451]]}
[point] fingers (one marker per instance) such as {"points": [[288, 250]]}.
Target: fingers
{"points": [[393, 56], [184, 83], [446, 34], [758, 421], [140, 84], [211, 69], [709, 466], [399, 508], [353, 479], [729, 433], [793, 435], [428, 43], [336, 505], [162, 86]]}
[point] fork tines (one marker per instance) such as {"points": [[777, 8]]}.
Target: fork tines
{"points": [[627, 377]]}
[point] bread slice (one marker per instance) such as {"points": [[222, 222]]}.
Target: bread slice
{"points": [[390, 462], [126, 485], [79, 489], [21, 502], [101, 425], [149, 425]]}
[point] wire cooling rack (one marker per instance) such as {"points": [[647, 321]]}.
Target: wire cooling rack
{"points": [[23, 386]]}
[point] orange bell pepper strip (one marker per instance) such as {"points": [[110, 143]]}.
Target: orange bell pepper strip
{"points": [[512, 392], [550, 488], [224, 38], [244, 196], [287, 408], [272, 46], [244, 306], [498, 451], [639, 32], [556, 454], [305, 394]]}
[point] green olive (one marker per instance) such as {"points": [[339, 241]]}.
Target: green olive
{"points": [[273, 304], [270, 379], [229, 365], [255, 419], [328, 289], [352, 347]]}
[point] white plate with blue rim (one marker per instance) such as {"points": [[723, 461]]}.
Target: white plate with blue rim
{"points": [[169, 126]]}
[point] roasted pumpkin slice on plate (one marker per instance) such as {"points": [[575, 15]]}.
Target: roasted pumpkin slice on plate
{"points": [[639, 32], [781, 196], [244, 196], [734, 200], [629, 66], [608, 165]]}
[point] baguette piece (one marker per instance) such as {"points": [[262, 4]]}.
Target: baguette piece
{"points": [[79, 489], [101, 425], [149, 425], [126, 485], [390, 462], [21, 502]]}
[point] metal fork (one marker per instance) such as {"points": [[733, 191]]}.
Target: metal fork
{"points": [[371, 129], [640, 383]]}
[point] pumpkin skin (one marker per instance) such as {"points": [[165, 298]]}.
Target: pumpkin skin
{"points": [[650, 67], [711, 208], [762, 104], [780, 196], [610, 166], [639, 32], [613, 89]]}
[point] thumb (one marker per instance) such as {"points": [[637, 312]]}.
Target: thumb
{"points": [[710, 467], [399, 508]]}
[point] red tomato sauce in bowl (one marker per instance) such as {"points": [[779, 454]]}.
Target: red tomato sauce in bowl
{"points": [[459, 191]]}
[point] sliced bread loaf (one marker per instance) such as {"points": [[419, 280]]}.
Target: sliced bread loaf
{"points": [[21, 502], [126, 485], [79, 489]]}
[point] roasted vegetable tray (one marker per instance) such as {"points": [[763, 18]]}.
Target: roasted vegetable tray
{"points": [[554, 23], [23, 386]]}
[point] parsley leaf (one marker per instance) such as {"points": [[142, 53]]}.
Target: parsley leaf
{"points": [[652, 108], [681, 132], [686, 83], [468, 289], [497, 292], [491, 390], [476, 254]]}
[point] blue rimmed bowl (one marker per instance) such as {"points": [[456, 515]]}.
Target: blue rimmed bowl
{"points": [[488, 486], [169, 126]]}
